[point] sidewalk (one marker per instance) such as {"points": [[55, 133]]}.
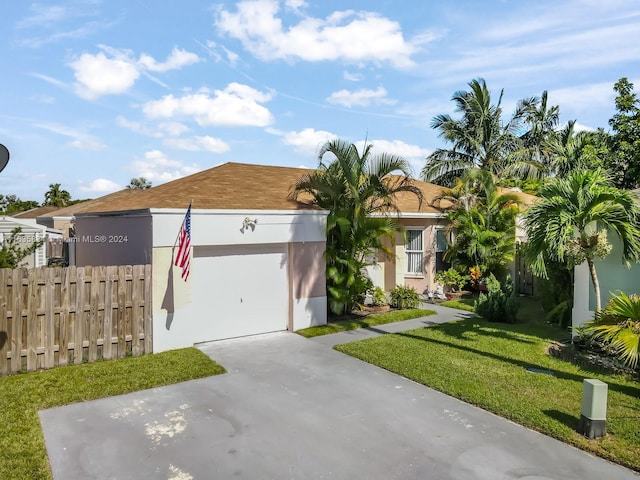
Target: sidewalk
{"points": [[443, 314]]}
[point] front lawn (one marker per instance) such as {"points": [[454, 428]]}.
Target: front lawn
{"points": [[467, 304], [361, 322], [22, 449], [486, 364]]}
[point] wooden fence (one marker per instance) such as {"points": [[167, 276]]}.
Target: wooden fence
{"points": [[54, 316]]}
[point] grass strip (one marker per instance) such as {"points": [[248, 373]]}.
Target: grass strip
{"points": [[22, 447], [467, 304], [368, 321]]}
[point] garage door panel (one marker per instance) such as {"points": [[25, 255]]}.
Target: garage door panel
{"points": [[240, 290]]}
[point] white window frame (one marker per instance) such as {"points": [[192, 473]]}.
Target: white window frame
{"points": [[408, 252]]}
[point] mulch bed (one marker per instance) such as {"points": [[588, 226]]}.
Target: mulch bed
{"points": [[589, 358]]}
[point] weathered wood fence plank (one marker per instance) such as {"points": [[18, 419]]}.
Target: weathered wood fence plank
{"points": [[50, 315]]}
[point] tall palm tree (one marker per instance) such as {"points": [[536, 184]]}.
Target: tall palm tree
{"points": [[479, 137], [533, 157], [563, 225], [56, 196], [482, 222], [359, 192]]}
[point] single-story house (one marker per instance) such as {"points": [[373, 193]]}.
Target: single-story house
{"points": [[63, 219], [30, 233], [257, 256], [613, 276], [420, 258]]}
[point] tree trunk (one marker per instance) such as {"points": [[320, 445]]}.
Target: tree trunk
{"points": [[596, 283]]}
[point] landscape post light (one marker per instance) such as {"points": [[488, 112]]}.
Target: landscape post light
{"points": [[593, 417]]}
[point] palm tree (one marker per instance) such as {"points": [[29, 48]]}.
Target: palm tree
{"points": [[56, 196], [563, 225], [139, 183], [479, 138], [481, 222], [619, 326], [359, 193], [533, 157]]}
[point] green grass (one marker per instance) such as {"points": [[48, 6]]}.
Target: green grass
{"points": [[485, 364], [368, 321], [22, 448], [463, 304]]}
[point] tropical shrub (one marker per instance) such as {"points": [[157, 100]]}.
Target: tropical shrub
{"points": [[618, 327], [379, 297], [359, 191], [403, 296], [452, 279], [500, 303]]}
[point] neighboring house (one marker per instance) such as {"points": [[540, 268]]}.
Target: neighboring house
{"points": [[257, 257], [613, 276], [418, 259], [62, 219], [31, 232]]}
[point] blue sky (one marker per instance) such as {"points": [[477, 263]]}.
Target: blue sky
{"points": [[96, 92]]}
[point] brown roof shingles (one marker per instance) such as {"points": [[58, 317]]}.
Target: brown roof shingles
{"points": [[231, 186], [236, 186]]}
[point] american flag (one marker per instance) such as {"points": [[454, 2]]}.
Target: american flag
{"points": [[183, 258]]}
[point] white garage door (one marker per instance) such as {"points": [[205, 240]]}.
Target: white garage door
{"points": [[239, 290]]}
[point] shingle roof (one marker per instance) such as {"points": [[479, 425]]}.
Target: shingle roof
{"points": [[96, 205], [231, 186], [36, 212], [236, 186]]}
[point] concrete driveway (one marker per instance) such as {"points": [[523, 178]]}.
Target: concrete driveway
{"points": [[291, 408]]}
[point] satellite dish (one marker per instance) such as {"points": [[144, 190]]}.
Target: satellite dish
{"points": [[4, 157]]}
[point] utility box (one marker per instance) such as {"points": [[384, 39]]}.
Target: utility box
{"points": [[593, 417]]}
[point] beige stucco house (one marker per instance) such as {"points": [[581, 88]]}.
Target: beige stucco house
{"points": [[420, 257]]}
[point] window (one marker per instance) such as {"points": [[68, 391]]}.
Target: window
{"points": [[441, 247], [414, 251]]}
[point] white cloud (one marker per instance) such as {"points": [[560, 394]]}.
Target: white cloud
{"points": [[113, 71], [173, 128], [158, 168], [87, 144], [43, 15], [177, 59], [360, 98], [79, 139], [353, 77], [583, 97], [198, 144], [236, 105], [307, 141], [578, 127], [100, 186], [344, 35], [414, 154], [97, 75], [136, 127]]}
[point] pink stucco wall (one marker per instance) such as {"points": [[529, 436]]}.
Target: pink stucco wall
{"points": [[423, 282], [307, 269]]}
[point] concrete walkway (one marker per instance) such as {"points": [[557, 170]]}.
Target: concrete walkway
{"points": [[443, 314], [292, 408]]}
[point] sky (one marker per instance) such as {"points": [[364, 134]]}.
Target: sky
{"points": [[97, 92]]}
